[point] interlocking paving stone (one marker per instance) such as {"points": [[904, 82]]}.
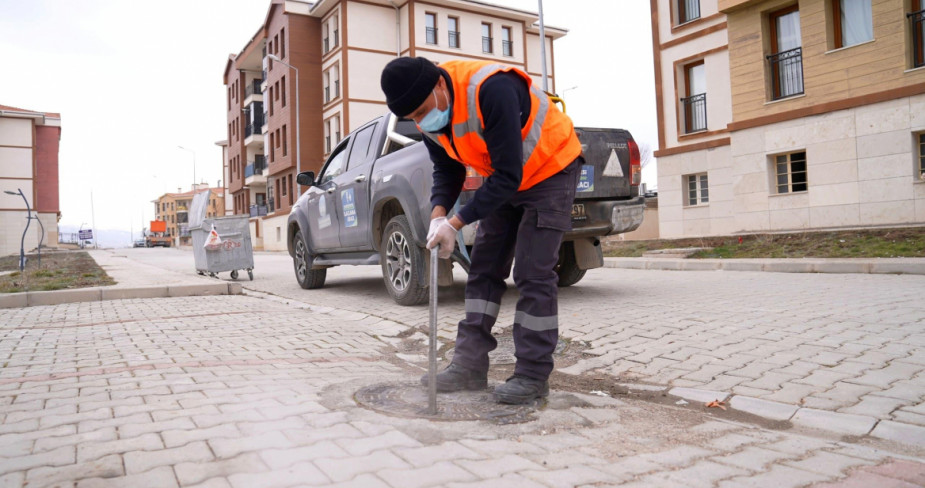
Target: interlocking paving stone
{"points": [[843, 423]]}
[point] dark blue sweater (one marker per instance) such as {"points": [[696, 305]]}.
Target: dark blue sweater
{"points": [[505, 103]]}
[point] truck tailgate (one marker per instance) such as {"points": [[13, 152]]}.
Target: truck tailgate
{"points": [[606, 171]]}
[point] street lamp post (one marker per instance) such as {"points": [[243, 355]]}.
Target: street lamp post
{"points": [[298, 133], [194, 166], [22, 242], [567, 89]]}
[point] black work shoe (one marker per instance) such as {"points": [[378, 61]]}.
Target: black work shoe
{"points": [[456, 378], [521, 389]]}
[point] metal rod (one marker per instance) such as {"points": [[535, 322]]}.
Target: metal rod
{"points": [[432, 367]]}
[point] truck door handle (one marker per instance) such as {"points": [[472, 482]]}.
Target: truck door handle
{"points": [[331, 190], [360, 179]]}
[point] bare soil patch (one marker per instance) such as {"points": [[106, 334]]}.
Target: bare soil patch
{"points": [[871, 243], [58, 271]]}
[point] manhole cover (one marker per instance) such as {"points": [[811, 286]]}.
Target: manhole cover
{"points": [[504, 353], [409, 399]]}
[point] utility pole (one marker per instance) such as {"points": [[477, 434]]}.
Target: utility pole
{"points": [[543, 48], [96, 236]]}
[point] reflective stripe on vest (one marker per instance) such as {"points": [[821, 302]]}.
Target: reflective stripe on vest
{"points": [[472, 125]]}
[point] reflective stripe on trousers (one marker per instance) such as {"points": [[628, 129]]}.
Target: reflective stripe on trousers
{"points": [[528, 228]]}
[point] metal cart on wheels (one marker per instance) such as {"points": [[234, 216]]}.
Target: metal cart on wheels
{"points": [[234, 253]]}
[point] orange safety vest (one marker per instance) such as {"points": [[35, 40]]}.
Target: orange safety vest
{"points": [[549, 139]]}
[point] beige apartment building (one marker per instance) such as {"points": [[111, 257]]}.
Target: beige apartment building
{"points": [[29, 163], [784, 115], [339, 48], [173, 208]]}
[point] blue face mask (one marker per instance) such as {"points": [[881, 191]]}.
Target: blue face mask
{"points": [[436, 119]]}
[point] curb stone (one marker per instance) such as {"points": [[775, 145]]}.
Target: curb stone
{"points": [[96, 294]]}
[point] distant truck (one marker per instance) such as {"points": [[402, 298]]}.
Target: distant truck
{"points": [[370, 205], [157, 235]]}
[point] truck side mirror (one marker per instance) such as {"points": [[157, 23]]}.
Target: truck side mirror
{"points": [[306, 178]]}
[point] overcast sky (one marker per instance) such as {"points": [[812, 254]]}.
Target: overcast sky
{"points": [[134, 80]]}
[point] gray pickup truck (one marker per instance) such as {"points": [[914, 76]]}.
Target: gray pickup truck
{"points": [[370, 205]]}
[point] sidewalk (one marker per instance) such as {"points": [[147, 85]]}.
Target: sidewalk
{"points": [[133, 280], [259, 390], [242, 391]]}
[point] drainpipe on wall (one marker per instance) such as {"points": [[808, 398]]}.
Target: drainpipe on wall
{"points": [[397, 29]]}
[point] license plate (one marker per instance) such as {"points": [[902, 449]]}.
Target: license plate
{"points": [[578, 211]]}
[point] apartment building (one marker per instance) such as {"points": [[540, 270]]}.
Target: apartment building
{"points": [[28, 162], [784, 115], [173, 208], [336, 49]]}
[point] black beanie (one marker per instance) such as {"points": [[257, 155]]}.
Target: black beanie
{"points": [[407, 82]]}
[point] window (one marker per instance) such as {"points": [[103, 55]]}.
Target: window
{"points": [[282, 43], [507, 46], [334, 23], [336, 123], [452, 28], [852, 22], [430, 21], [335, 164], [325, 40], [272, 150], [917, 25], [270, 104], [334, 73], [786, 60], [921, 153], [276, 90], [687, 10], [790, 170], [695, 103], [327, 137], [698, 191], [285, 144], [327, 86], [283, 85], [276, 44], [486, 38], [362, 141]]}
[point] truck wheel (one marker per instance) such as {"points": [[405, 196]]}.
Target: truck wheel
{"points": [[234, 274], [308, 279], [567, 268], [402, 263]]}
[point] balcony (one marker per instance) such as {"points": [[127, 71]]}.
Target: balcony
{"points": [[258, 210], [253, 132], [486, 44], [431, 35], [454, 38], [786, 73], [507, 48], [253, 172], [695, 113], [253, 88], [917, 21]]}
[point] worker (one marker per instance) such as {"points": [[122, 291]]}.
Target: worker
{"points": [[491, 118]]}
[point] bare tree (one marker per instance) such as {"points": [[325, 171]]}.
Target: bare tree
{"points": [[645, 154]]}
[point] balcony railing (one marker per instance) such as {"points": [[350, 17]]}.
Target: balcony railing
{"points": [[917, 19], [486, 44], [695, 113], [258, 210], [253, 88], [431, 35], [507, 48], [256, 167], [254, 129], [454, 38], [787, 73]]}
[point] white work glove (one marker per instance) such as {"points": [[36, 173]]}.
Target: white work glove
{"points": [[442, 234]]}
